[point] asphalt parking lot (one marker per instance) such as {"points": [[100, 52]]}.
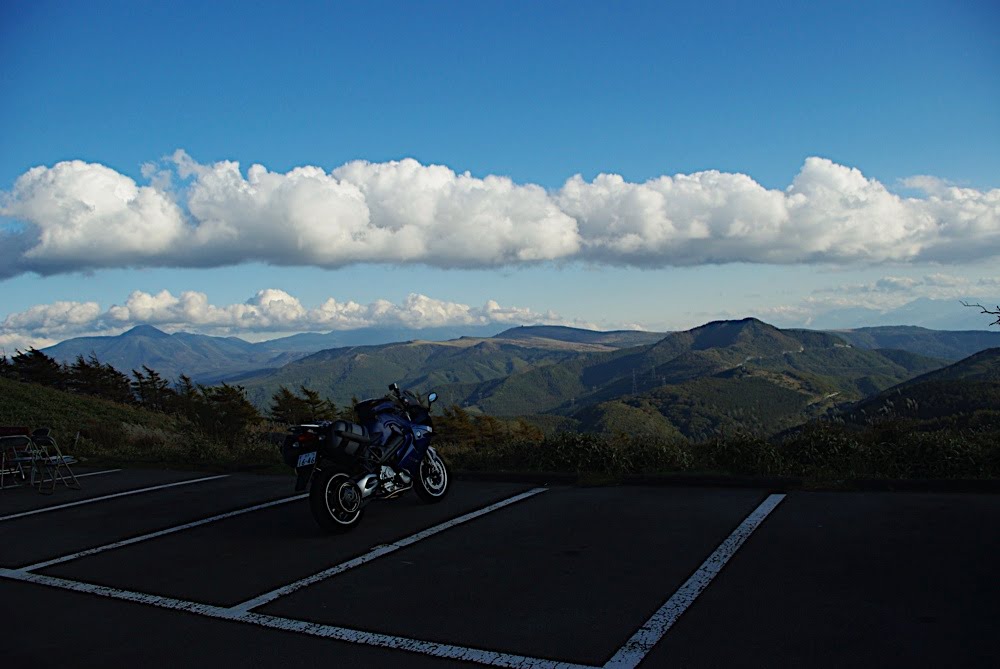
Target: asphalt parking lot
{"points": [[164, 568]]}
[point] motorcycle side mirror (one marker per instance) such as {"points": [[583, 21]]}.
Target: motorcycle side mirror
{"points": [[432, 397]]}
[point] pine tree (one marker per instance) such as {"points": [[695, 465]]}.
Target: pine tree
{"points": [[34, 366], [230, 415], [291, 409], [286, 407], [318, 408], [187, 400], [90, 377], [114, 385], [152, 390]]}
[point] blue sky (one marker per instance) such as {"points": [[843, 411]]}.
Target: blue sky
{"points": [[535, 93]]}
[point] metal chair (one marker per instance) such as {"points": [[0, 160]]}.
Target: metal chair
{"points": [[48, 466], [17, 459]]}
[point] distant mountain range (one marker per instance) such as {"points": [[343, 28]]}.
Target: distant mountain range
{"points": [[722, 376], [208, 359], [452, 367], [204, 358], [725, 375]]}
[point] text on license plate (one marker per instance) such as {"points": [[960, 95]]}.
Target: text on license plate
{"points": [[306, 459]]}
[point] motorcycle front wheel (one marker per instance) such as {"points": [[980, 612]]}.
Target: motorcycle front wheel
{"points": [[335, 501], [432, 478]]}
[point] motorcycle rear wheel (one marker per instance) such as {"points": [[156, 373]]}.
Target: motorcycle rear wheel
{"points": [[335, 501], [432, 482]]}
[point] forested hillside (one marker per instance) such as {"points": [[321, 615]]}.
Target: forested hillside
{"points": [[365, 371], [965, 395], [719, 376]]}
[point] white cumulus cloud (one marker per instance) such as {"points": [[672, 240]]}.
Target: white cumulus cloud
{"points": [[82, 215], [10, 342], [78, 216], [54, 319], [270, 310]]}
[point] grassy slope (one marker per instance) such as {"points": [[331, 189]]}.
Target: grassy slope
{"points": [[30, 405], [112, 432]]}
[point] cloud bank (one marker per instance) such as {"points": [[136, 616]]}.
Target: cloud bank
{"points": [[934, 299], [270, 310], [77, 216]]}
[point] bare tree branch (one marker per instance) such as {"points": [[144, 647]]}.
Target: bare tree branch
{"points": [[985, 311]]}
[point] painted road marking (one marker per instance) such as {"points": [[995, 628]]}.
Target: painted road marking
{"points": [[635, 649], [106, 471], [104, 497], [160, 533], [632, 653], [378, 552], [434, 649]]}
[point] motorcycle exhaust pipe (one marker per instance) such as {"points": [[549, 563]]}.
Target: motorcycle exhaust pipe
{"points": [[368, 485]]}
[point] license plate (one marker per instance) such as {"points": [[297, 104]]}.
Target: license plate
{"points": [[306, 459]]}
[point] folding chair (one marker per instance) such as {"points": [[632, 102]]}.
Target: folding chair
{"points": [[15, 457], [49, 466]]}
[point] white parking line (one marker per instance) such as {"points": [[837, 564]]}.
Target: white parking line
{"points": [[378, 552], [633, 652], [488, 657], [477, 655], [113, 593], [104, 497], [160, 533], [635, 649], [106, 471]]}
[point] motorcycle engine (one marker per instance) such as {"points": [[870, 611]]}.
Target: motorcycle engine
{"points": [[392, 482]]}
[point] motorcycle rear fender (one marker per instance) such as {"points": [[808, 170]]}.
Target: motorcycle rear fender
{"points": [[302, 475]]}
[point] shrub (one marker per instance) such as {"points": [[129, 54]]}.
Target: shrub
{"points": [[825, 451], [740, 454]]}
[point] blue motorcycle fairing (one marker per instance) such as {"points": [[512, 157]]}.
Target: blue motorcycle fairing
{"points": [[411, 454], [383, 422]]}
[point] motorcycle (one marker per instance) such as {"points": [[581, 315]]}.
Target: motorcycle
{"points": [[347, 465]]}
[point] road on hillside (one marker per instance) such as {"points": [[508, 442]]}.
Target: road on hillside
{"points": [[166, 569]]}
